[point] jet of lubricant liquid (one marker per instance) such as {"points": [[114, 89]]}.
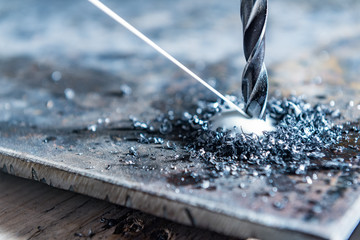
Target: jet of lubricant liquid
{"points": [[254, 81]]}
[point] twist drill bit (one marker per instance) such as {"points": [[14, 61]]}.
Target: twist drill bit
{"points": [[255, 78]]}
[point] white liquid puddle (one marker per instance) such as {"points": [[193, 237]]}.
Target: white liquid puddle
{"points": [[230, 119]]}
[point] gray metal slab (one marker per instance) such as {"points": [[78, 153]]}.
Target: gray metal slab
{"points": [[83, 142]]}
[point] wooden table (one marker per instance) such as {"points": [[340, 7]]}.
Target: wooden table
{"points": [[31, 210]]}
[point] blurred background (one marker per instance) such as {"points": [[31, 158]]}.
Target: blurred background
{"points": [[308, 41]]}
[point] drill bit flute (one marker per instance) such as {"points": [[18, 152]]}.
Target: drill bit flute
{"points": [[255, 78]]}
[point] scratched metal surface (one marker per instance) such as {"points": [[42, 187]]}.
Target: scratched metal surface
{"points": [[82, 142]]}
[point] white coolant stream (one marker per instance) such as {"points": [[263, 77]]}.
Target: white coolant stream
{"points": [[237, 117]]}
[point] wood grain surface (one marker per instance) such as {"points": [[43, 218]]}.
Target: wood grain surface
{"points": [[31, 210]]}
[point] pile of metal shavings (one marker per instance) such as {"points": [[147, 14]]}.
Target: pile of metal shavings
{"points": [[306, 140]]}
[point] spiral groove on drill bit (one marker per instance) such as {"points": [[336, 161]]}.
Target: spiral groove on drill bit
{"points": [[255, 78]]}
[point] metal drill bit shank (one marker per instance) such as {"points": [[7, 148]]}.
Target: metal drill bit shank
{"points": [[255, 78]]}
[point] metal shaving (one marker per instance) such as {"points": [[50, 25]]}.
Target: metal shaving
{"points": [[304, 140]]}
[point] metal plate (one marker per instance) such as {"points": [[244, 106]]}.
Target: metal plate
{"points": [[81, 140]]}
